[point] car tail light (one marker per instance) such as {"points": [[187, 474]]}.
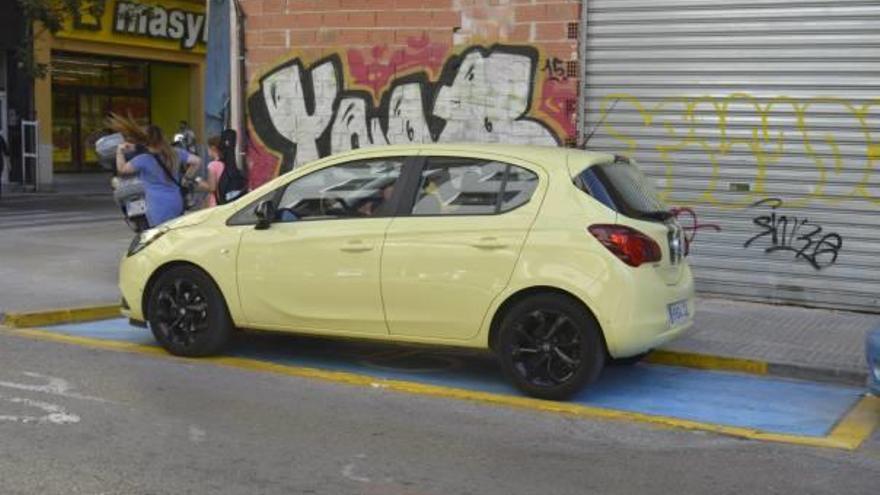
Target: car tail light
{"points": [[631, 246]]}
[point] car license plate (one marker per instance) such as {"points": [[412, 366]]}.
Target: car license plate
{"points": [[135, 208], [678, 313]]}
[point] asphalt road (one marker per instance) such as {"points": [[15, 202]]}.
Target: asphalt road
{"points": [[119, 423], [60, 250]]}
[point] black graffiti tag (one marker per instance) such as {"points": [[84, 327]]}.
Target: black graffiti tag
{"points": [[555, 69], [797, 235]]}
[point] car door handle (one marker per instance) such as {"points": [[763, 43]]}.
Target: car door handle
{"points": [[489, 243], [356, 247]]}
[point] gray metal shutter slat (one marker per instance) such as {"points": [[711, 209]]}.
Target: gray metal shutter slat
{"points": [[728, 103]]}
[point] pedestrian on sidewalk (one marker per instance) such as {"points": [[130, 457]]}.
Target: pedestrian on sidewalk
{"points": [[4, 155], [157, 168], [215, 170]]}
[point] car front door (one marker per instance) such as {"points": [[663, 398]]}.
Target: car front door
{"points": [[453, 251], [316, 268]]}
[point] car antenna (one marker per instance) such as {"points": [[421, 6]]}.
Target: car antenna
{"points": [[601, 121]]}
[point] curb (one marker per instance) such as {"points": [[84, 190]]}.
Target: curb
{"points": [[59, 316], [660, 356], [754, 367]]}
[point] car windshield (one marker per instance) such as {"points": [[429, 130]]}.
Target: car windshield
{"points": [[624, 188]]}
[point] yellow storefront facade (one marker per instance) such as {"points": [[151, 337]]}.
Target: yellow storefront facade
{"points": [[145, 58]]}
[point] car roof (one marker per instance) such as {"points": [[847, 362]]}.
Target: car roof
{"points": [[547, 156]]}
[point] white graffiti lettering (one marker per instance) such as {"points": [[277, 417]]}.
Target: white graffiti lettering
{"points": [[483, 95]]}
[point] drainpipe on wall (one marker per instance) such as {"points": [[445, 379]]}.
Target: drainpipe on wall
{"points": [[238, 82], [582, 83]]}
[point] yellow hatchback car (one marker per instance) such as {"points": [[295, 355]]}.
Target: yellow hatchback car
{"points": [[555, 259]]}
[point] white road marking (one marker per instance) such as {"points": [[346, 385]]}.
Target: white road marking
{"points": [[196, 434], [56, 414], [55, 386], [348, 471]]}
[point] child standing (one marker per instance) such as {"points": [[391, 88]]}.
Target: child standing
{"points": [[215, 170]]}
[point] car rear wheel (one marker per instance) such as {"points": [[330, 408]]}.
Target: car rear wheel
{"points": [[187, 313], [550, 347]]}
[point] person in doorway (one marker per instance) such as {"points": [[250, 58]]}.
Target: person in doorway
{"points": [[215, 170], [4, 155], [157, 168]]}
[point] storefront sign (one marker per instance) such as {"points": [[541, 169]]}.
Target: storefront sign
{"points": [[166, 24], [158, 22]]}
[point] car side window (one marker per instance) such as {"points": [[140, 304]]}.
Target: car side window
{"points": [[464, 186], [350, 190]]}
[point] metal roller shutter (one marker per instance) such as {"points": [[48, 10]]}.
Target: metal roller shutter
{"points": [[763, 118]]}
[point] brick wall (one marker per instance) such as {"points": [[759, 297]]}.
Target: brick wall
{"points": [[328, 75]]}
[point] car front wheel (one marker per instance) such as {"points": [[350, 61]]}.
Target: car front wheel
{"points": [[187, 313], [550, 347]]}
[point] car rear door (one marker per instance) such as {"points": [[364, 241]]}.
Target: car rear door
{"points": [[454, 247]]}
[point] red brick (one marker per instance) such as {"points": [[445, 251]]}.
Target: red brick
{"points": [[530, 13], [551, 31], [361, 19], [562, 12], [252, 7], [520, 33], [273, 38], [563, 50], [381, 36], [402, 35], [301, 37], [274, 6], [327, 36], [334, 19], [449, 18], [354, 36], [422, 4]]}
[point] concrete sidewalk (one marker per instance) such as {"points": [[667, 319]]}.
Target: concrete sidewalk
{"points": [[798, 342], [73, 261]]}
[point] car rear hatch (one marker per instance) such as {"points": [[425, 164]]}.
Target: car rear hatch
{"points": [[621, 186]]}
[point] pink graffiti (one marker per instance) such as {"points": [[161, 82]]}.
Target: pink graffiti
{"points": [[376, 67], [559, 102], [694, 225], [262, 165]]}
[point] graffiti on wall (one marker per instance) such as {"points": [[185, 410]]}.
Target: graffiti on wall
{"points": [[827, 146], [794, 234], [301, 112]]}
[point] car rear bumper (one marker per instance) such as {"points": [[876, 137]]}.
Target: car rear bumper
{"points": [[642, 322], [872, 352]]}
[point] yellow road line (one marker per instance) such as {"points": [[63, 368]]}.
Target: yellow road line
{"points": [[64, 315], [848, 434], [858, 424], [707, 362]]}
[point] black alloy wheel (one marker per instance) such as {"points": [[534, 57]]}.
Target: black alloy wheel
{"points": [[187, 313], [550, 347]]}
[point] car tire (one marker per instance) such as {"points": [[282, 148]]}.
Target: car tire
{"points": [[550, 346], [188, 314]]}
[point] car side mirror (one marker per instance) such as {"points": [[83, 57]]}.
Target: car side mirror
{"points": [[265, 215]]}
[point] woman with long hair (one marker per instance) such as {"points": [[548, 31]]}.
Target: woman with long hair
{"points": [[156, 164]]}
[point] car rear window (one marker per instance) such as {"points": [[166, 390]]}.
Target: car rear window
{"points": [[621, 186]]}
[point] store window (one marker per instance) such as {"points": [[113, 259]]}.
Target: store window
{"points": [[85, 89]]}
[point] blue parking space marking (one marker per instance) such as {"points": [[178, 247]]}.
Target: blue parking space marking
{"points": [[766, 404]]}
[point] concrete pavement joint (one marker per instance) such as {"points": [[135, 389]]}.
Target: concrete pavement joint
{"points": [[855, 427]]}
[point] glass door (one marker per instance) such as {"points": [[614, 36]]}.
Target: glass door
{"points": [[93, 111], [64, 131]]}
